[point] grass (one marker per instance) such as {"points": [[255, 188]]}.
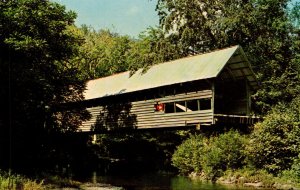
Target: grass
{"points": [[19, 182], [16, 182], [248, 175], [59, 182]]}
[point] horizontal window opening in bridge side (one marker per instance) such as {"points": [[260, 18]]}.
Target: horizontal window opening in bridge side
{"points": [[180, 107], [184, 106], [205, 104], [169, 107], [193, 105]]}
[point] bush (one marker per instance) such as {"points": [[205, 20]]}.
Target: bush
{"points": [[294, 173], [187, 157], [211, 156], [223, 152], [275, 142]]}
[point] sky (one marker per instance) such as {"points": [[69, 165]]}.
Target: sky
{"points": [[126, 17]]}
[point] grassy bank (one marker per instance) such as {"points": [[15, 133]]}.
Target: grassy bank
{"points": [[258, 178], [16, 182], [19, 182], [251, 178]]}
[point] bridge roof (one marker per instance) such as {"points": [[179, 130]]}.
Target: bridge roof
{"points": [[198, 67]]}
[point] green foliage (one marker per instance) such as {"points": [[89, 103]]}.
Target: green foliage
{"points": [[16, 182], [294, 173], [212, 156], [103, 53], [212, 162], [151, 48], [222, 153], [187, 157], [37, 39], [275, 141], [36, 42], [58, 182], [273, 148], [250, 175], [289, 179], [20, 182]]}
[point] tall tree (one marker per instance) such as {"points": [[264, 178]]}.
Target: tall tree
{"points": [[103, 53], [151, 48], [261, 27], [36, 40]]}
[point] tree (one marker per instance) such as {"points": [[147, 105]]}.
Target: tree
{"points": [[36, 41], [151, 48], [261, 27], [103, 53]]}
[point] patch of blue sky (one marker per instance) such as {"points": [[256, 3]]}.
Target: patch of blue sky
{"points": [[126, 17]]}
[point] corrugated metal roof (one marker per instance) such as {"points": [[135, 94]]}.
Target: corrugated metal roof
{"points": [[204, 66]]}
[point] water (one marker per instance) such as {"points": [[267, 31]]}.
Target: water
{"points": [[159, 182]]}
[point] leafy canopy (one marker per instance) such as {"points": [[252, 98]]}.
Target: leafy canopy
{"points": [[36, 41]]}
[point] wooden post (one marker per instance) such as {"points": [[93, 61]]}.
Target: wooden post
{"points": [[198, 126], [248, 94], [213, 100], [94, 139]]}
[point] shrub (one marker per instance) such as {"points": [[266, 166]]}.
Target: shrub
{"points": [[187, 156], [211, 156], [275, 142], [294, 173], [223, 152]]}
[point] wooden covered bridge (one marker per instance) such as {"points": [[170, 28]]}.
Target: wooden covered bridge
{"points": [[198, 90]]}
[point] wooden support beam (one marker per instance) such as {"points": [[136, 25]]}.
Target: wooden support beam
{"points": [[94, 141], [213, 99], [248, 94], [198, 126]]}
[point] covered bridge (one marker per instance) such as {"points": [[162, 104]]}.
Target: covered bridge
{"points": [[197, 90]]}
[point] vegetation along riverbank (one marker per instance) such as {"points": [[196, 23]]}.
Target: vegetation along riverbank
{"points": [[19, 182]]}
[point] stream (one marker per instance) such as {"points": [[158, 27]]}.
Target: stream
{"points": [[157, 182]]}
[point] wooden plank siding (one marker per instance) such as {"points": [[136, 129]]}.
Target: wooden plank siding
{"points": [[143, 114]]}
